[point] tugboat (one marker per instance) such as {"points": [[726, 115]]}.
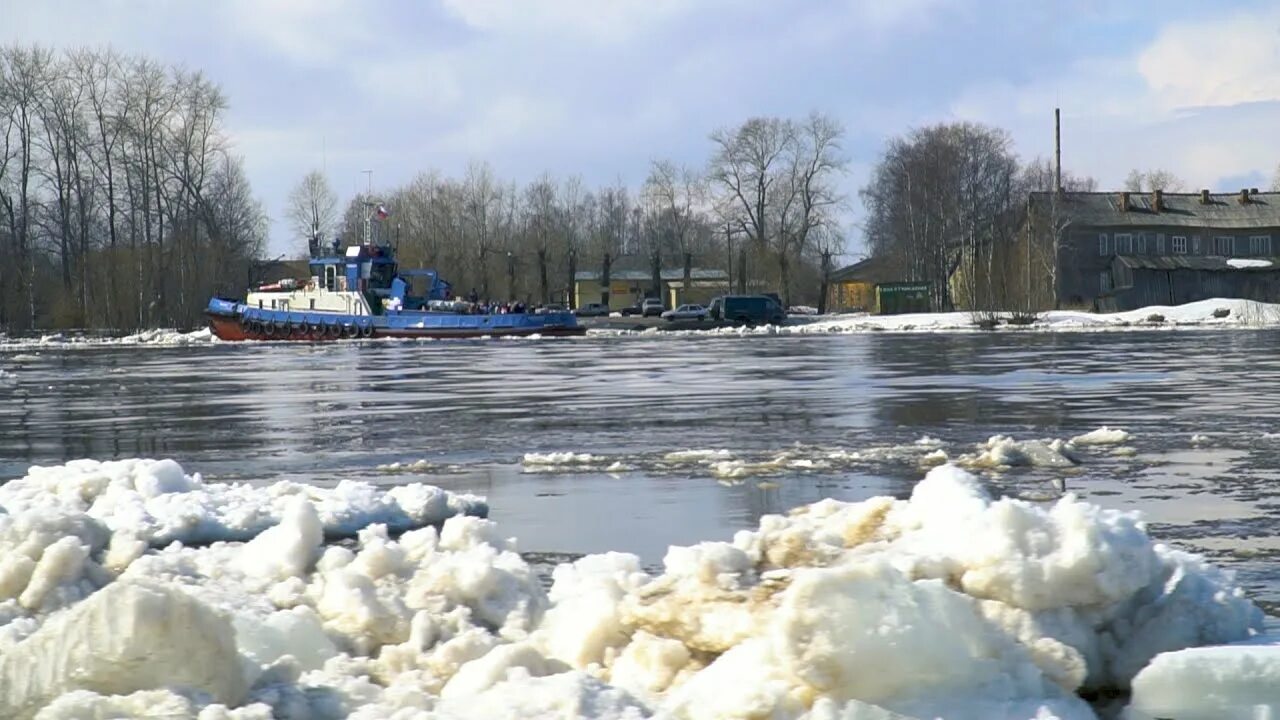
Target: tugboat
{"points": [[361, 294]]}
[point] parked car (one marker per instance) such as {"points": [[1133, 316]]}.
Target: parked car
{"points": [[631, 310], [592, 310], [686, 312], [747, 310], [651, 306]]}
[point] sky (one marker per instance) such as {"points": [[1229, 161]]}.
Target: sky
{"points": [[600, 88]]}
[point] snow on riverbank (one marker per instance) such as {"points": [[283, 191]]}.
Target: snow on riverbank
{"points": [[1201, 314], [949, 603]]}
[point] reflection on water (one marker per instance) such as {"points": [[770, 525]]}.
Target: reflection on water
{"points": [[322, 413]]}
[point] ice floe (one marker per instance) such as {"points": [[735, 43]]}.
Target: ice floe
{"points": [[156, 502], [1226, 682], [949, 603], [157, 337], [1102, 436], [997, 453]]}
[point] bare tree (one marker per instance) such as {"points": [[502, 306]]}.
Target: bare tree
{"points": [[939, 198], [27, 72], [809, 197], [542, 223], [98, 149], [1044, 225], [1158, 179], [674, 192], [312, 209], [574, 223], [830, 243], [614, 211], [483, 199], [744, 166]]}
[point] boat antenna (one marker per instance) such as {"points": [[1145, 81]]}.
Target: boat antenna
{"points": [[368, 208]]}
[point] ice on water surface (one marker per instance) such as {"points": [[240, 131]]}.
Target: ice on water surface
{"points": [[133, 587]]}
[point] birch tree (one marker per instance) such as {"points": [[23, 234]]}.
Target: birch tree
{"points": [[312, 209]]}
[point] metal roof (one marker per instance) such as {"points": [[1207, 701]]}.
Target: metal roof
{"points": [[1192, 262], [873, 270], [644, 275], [1224, 210]]}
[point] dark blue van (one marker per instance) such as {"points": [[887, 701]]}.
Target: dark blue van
{"points": [[747, 310]]}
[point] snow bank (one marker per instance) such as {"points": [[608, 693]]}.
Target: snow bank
{"points": [[1203, 313], [1232, 682], [1248, 263], [948, 603], [157, 503]]}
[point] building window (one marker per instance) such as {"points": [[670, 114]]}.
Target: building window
{"points": [[1222, 246], [1142, 243], [1104, 281], [1104, 247], [1160, 244], [1179, 245], [1124, 244], [1195, 244], [1260, 245]]}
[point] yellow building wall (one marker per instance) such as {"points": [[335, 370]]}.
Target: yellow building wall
{"points": [[851, 295], [622, 293]]}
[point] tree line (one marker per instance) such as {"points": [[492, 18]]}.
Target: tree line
{"points": [[947, 204], [121, 205], [765, 208]]}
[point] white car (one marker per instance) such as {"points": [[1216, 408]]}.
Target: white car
{"points": [[686, 312]]}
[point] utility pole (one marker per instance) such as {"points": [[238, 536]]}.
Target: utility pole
{"points": [[1057, 150], [728, 235]]}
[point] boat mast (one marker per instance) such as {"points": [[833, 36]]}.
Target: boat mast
{"points": [[368, 209]]}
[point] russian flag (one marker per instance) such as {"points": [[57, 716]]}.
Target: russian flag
{"points": [[382, 212]]}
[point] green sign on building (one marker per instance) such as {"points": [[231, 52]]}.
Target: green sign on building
{"points": [[903, 297]]}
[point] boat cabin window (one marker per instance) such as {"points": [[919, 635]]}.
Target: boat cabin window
{"points": [[381, 275], [330, 277]]}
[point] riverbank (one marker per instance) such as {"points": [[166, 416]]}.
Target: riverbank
{"points": [[1215, 313], [1204, 314]]}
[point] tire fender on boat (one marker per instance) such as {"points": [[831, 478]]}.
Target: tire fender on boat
{"points": [[350, 331], [333, 330], [366, 331], [270, 328]]}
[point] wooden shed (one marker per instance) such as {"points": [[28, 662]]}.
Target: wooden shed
{"points": [[874, 285]]}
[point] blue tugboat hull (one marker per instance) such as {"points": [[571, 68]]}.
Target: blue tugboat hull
{"points": [[234, 321]]}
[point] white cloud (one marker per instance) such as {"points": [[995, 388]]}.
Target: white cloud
{"points": [[1199, 99], [304, 32], [1231, 60], [599, 21]]}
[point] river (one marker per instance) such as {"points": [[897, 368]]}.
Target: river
{"points": [[773, 422]]}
